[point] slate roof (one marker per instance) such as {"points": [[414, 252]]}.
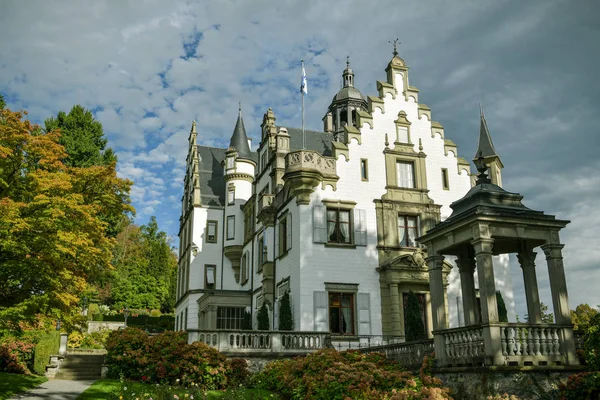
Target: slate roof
{"points": [[486, 146], [239, 139], [314, 140]]}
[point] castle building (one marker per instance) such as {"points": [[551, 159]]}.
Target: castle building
{"points": [[334, 223]]}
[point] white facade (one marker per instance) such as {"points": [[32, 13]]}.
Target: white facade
{"points": [[336, 249]]}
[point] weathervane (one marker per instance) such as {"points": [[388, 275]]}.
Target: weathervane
{"points": [[347, 61], [395, 43]]}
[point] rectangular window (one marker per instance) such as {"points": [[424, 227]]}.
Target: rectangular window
{"points": [[261, 244], [245, 268], [422, 308], [407, 230], [230, 227], [364, 169], [338, 226], [185, 316], [445, 181], [209, 276], [230, 162], [230, 318], [231, 196], [284, 241], [405, 174], [211, 232], [402, 134], [341, 313]]}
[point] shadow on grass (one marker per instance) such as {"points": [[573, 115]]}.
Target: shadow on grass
{"points": [[11, 384], [100, 390]]}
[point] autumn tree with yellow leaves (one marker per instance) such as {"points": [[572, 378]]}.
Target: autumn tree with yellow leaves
{"points": [[53, 229]]}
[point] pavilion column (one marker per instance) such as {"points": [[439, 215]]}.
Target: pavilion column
{"points": [[438, 306], [560, 299], [489, 306], [526, 259], [466, 267], [558, 283], [395, 309]]}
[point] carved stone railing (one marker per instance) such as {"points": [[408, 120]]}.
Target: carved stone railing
{"points": [[409, 354], [341, 343], [509, 344], [464, 346], [307, 160], [262, 341]]}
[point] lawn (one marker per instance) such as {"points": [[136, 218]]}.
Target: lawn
{"points": [[11, 384], [104, 388]]}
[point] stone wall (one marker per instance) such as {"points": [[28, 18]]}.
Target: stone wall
{"points": [[95, 326], [525, 382], [257, 361]]}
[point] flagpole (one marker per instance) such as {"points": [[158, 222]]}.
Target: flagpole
{"points": [[302, 92]]}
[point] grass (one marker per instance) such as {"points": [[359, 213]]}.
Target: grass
{"points": [[11, 384], [102, 389]]}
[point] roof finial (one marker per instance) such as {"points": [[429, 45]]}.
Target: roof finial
{"points": [[481, 114], [240, 108], [482, 169], [395, 43], [347, 61]]}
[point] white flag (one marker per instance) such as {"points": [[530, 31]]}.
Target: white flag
{"points": [[303, 87]]}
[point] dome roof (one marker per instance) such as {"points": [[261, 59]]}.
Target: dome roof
{"points": [[347, 93], [397, 62]]}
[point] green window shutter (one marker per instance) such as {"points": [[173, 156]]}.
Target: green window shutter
{"points": [[289, 232], [319, 224], [320, 315], [360, 227], [364, 314]]}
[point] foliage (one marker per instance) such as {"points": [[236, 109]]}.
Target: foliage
{"points": [[328, 374], [11, 384], [504, 396], [247, 321], [129, 390], [146, 269], [581, 386], [45, 347], [52, 232], [92, 340], [502, 312], [285, 313], [263, 318], [582, 316], [591, 344], [93, 309], [168, 359], [239, 374], [413, 320], [2, 102], [547, 317], [16, 355]]}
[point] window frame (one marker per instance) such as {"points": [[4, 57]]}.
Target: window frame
{"points": [[230, 233], [364, 169], [230, 195], [352, 308], [412, 170], [406, 227], [213, 268], [233, 318], [337, 229], [208, 223], [445, 179]]}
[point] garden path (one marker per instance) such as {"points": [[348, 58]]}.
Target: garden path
{"points": [[55, 389]]}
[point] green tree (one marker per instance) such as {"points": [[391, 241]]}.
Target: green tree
{"points": [[582, 315], [82, 137], [52, 236], [247, 321], [547, 317], [502, 312], [145, 269], [263, 318], [2, 102], [413, 320], [285, 313]]}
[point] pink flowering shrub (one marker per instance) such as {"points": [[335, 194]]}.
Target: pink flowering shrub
{"points": [[328, 374], [16, 355], [168, 359]]}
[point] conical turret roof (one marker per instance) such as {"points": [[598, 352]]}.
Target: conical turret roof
{"points": [[485, 147], [239, 139]]}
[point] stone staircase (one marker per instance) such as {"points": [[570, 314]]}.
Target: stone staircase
{"points": [[81, 366]]}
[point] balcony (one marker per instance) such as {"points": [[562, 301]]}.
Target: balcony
{"points": [[305, 169]]}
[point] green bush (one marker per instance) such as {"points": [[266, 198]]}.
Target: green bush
{"points": [[16, 354], [328, 374], [415, 330], [502, 312], [47, 346], [168, 359], [263, 318], [285, 314]]}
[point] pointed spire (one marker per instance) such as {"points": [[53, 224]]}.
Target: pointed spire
{"points": [[239, 139], [348, 75], [486, 146]]}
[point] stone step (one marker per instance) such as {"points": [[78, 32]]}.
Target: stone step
{"points": [[88, 368], [73, 376]]}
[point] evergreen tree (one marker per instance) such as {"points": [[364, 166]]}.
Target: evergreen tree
{"points": [[502, 312], [2, 102], [247, 321], [263, 318], [413, 320], [285, 313]]}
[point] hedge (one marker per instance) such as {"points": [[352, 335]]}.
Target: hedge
{"points": [[47, 346], [142, 321]]}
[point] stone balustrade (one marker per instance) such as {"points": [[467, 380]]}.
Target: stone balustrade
{"points": [[409, 354], [265, 201], [510, 344], [244, 342], [464, 346], [307, 160]]}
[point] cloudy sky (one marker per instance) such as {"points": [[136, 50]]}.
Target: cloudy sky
{"points": [[148, 68]]}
